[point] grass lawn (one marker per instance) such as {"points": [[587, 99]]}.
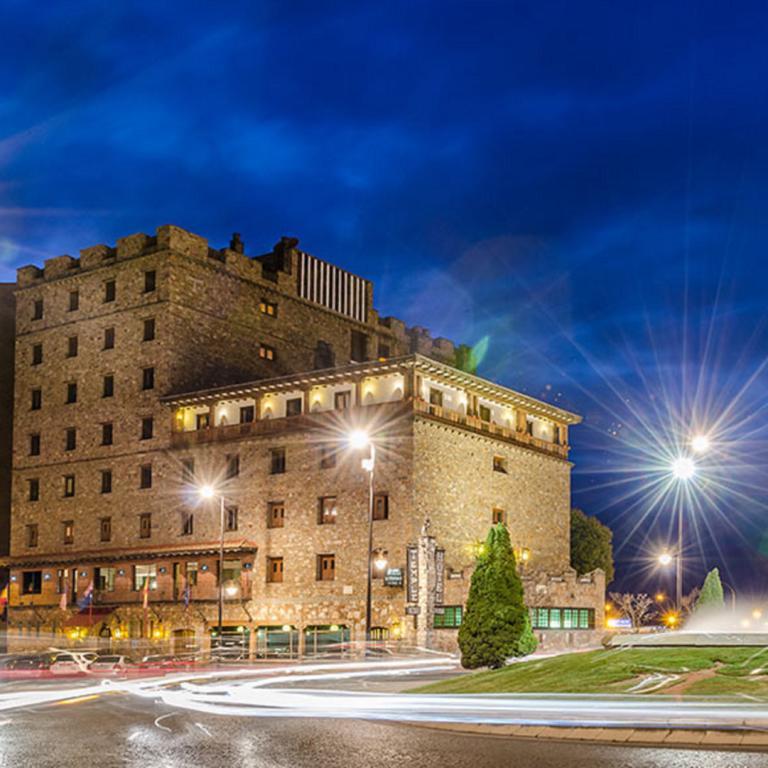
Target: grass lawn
{"points": [[697, 671]]}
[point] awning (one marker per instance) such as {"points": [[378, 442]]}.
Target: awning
{"points": [[88, 617]]}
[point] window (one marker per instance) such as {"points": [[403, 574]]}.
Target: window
{"points": [[187, 523], [145, 476], [69, 486], [150, 281], [110, 291], [274, 570], [108, 386], [107, 433], [529, 426], [293, 406], [358, 347], [74, 300], [36, 400], [191, 571], [148, 378], [231, 571], [71, 392], [106, 481], [342, 400], [562, 618], [149, 329], [34, 489], [266, 352], [268, 308], [436, 397], [277, 461], [62, 580], [144, 574], [188, 470], [383, 351], [147, 428], [72, 345], [202, 420], [31, 582], [380, 506], [484, 413], [327, 457], [275, 514], [450, 618], [326, 510], [32, 535], [37, 354], [230, 518], [326, 567], [109, 338], [105, 529], [145, 525], [247, 414], [324, 357], [233, 466], [70, 439], [68, 531], [37, 309], [104, 579], [499, 464], [34, 444], [498, 515]]}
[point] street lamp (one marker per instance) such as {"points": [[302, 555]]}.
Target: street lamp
{"points": [[358, 439], [683, 469], [208, 492], [701, 443]]}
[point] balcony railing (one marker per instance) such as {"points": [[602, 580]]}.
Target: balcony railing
{"points": [[261, 427]]}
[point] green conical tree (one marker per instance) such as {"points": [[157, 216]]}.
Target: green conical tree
{"points": [[711, 596], [496, 623]]}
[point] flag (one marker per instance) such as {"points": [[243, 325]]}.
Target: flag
{"points": [[146, 593], [3, 597], [87, 598], [64, 594], [187, 592]]}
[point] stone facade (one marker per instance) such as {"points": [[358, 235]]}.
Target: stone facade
{"points": [[260, 367]]}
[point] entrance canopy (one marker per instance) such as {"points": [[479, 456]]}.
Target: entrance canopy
{"points": [[88, 617]]}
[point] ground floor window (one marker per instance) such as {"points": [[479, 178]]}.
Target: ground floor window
{"points": [[277, 641], [233, 641], [326, 638], [450, 618], [563, 618], [379, 633]]}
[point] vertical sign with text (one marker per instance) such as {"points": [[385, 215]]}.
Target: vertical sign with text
{"points": [[412, 568]]}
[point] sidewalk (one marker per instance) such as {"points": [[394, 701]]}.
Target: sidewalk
{"points": [[756, 741]]}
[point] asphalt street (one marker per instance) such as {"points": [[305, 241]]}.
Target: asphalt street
{"points": [[119, 730]]}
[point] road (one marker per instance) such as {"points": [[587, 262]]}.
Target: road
{"points": [[342, 714]]}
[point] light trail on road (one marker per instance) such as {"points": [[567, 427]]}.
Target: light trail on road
{"points": [[269, 693]]}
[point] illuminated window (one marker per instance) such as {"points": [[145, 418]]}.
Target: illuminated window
{"points": [[104, 579], [274, 570], [563, 618], [268, 308], [275, 514], [498, 515], [191, 574], [230, 518], [68, 530], [266, 352], [69, 486], [143, 574], [326, 567], [342, 400]]}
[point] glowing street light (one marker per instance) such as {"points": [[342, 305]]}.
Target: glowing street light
{"points": [[358, 440], [701, 443], [683, 468], [665, 559], [207, 492]]}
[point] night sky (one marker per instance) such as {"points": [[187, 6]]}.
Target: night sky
{"points": [[580, 189]]}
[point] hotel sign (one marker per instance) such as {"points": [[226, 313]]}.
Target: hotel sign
{"points": [[412, 567], [393, 577], [439, 576]]}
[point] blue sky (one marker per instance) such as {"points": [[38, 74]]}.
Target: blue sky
{"points": [[582, 184]]}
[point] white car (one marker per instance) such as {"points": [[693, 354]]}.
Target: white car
{"points": [[109, 664], [71, 663]]}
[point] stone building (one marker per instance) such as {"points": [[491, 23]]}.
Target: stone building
{"points": [[146, 371]]}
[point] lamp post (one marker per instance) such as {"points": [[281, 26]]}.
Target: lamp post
{"points": [[683, 469], [358, 439], [208, 492]]}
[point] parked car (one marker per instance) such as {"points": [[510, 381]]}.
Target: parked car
{"points": [[71, 662], [109, 665], [28, 663]]}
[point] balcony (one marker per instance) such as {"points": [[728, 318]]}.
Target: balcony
{"points": [[383, 411]]}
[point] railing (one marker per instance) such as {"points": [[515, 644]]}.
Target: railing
{"points": [[226, 432]]}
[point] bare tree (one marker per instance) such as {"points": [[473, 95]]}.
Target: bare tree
{"points": [[689, 603], [635, 607]]}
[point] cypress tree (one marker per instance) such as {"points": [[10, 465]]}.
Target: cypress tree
{"points": [[711, 596], [496, 623]]}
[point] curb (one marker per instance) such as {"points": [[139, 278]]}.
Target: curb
{"points": [[754, 741]]}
